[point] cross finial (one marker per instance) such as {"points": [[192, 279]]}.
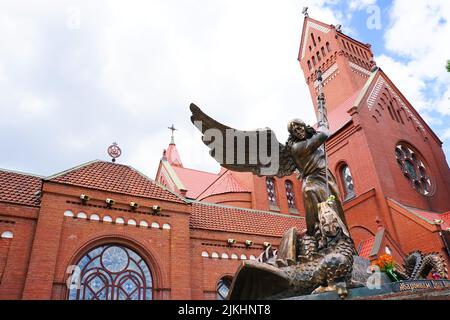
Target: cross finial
{"points": [[305, 12], [173, 129]]}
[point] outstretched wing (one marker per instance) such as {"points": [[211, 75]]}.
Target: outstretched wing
{"points": [[257, 281], [256, 151]]}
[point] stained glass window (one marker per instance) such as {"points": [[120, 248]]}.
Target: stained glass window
{"points": [[413, 169], [347, 182], [271, 193], [290, 194], [111, 272], [223, 287]]}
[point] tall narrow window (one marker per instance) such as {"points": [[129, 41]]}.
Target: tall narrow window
{"points": [[290, 195], [309, 65], [314, 60], [323, 52], [313, 40], [347, 182], [271, 193], [318, 56], [328, 47]]}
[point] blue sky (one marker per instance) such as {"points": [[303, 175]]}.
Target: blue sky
{"points": [[77, 75]]}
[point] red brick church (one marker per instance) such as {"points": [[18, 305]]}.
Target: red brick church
{"points": [[104, 230]]}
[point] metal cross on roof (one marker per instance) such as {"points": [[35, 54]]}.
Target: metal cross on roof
{"points": [[173, 129], [305, 11]]}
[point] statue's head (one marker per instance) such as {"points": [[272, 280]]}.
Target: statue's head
{"points": [[299, 130], [330, 223]]}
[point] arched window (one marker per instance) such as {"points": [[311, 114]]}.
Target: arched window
{"points": [[323, 52], [328, 47], [313, 60], [223, 287], [413, 168], [271, 193], [111, 272], [313, 40], [309, 65], [290, 194], [347, 182]]}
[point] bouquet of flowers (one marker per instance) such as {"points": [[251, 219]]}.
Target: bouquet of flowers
{"points": [[386, 264]]}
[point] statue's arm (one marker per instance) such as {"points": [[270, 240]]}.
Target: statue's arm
{"points": [[317, 140]]}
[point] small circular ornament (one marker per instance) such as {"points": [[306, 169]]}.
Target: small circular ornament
{"points": [[114, 151]]}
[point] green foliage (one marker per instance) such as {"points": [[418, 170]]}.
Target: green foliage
{"points": [[448, 65]]}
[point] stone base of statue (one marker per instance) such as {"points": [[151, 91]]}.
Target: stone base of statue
{"points": [[402, 290]]}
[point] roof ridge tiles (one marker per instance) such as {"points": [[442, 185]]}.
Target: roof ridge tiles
{"points": [[244, 209], [23, 173]]}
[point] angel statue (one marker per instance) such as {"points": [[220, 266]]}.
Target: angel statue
{"points": [[304, 153]]}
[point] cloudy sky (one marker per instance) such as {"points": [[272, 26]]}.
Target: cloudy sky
{"points": [[77, 75]]}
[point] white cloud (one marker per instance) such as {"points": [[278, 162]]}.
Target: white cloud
{"points": [[360, 4], [418, 35], [125, 71]]}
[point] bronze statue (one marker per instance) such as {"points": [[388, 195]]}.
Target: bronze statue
{"points": [[303, 152], [315, 271], [321, 259]]}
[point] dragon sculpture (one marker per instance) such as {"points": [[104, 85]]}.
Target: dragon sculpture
{"points": [[418, 265], [275, 274]]}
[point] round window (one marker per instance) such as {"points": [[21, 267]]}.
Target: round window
{"points": [[413, 169]]}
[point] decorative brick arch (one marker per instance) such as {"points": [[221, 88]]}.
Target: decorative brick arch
{"points": [[361, 233], [159, 277], [223, 276]]}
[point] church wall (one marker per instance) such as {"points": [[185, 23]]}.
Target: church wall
{"points": [[15, 252], [241, 199], [383, 135], [260, 198], [207, 271], [165, 250], [414, 236]]}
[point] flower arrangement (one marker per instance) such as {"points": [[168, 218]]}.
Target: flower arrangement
{"points": [[386, 264]]}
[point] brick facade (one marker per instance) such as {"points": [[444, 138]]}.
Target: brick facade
{"points": [[46, 228]]}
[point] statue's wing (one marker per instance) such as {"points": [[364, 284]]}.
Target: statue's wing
{"points": [[256, 151], [257, 281]]}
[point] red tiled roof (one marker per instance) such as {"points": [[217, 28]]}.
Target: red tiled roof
{"points": [[195, 181], [223, 218], [431, 216], [224, 184], [20, 188], [339, 117], [365, 247], [113, 177]]}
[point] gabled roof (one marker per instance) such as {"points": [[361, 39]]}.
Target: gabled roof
{"points": [[194, 181], [424, 216], [114, 177], [371, 91], [339, 116], [210, 216], [308, 24], [225, 183], [20, 188], [431, 216]]}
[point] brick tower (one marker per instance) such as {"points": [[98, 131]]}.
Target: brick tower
{"points": [[389, 163]]}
